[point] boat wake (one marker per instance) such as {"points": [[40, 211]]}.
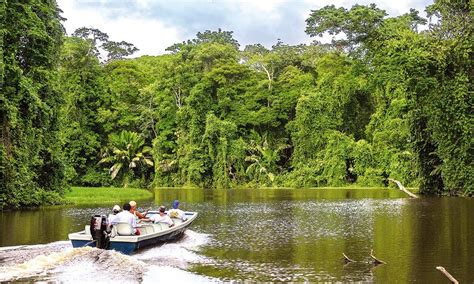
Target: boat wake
{"points": [[177, 254], [169, 261], [60, 262], [74, 264]]}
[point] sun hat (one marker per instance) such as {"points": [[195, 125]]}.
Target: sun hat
{"points": [[133, 203], [116, 208]]}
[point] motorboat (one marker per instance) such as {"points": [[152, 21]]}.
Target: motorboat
{"points": [[120, 236]]}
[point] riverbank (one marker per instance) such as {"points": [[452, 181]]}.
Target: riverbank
{"points": [[103, 195]]}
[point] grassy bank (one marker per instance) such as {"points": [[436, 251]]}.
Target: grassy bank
{"points": [[102, 195]]}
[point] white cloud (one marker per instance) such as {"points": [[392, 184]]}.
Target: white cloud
{"points": [[153, 25], [262, 6], [151, 36]]}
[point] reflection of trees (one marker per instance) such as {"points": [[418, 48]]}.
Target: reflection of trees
{"points": [[35, 227], [426, 233], [165, 196], [441, 235]]}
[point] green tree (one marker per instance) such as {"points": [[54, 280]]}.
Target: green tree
{"points": [[263, 159], [443, 124], [118, 50], [127, 154], [123, 103], [359, 24], [219, 37], [32, 168], [225, 151], [208, 36], [99, 41], [82, 85]]}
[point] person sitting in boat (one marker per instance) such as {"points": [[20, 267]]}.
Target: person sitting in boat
{"points": [[126, 217], [135, 212], [176, 212], [162, 217], [113, 217]]}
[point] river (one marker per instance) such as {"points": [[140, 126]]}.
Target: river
{"points": [[278, 235]]}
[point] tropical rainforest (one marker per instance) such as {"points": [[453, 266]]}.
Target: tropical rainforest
{"points": [[389, 97]]}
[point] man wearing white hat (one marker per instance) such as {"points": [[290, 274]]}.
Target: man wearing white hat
{"points": [[113, 217]]}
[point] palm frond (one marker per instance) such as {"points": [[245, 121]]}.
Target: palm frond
{"points": [[115, 169], [148, 162], [106, 160]]}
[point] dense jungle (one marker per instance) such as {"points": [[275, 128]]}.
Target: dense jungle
{"points": [[389, 97]]}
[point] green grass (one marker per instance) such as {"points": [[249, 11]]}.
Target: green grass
{"points": [[103, 195]]}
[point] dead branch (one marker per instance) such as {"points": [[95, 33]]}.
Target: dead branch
{"points": [[447, 274], [376, 261], [347, 259], [402, 188]]}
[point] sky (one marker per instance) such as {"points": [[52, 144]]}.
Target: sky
{"points": [[154, 25]]}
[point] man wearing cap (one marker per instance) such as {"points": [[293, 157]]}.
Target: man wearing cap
{"points": [[135, 212], [162, 217], [176, 212]]}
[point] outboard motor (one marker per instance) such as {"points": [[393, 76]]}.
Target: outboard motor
{"points": [[99, 231]]}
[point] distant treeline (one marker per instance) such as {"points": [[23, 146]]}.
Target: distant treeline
{"points": [[389, 99]]}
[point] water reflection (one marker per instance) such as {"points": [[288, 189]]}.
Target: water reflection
{"points": [[296, 239], [294, 235], [32, 226]]}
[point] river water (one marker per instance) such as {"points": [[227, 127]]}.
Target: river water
{"points": [[278, 235]]}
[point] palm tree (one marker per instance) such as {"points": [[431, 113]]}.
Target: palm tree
{"points": [[263, 158], [127, 152]]}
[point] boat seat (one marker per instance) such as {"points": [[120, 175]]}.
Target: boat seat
{"points": [[124, 229], [147, 229], [88, 230], [160, 226]]}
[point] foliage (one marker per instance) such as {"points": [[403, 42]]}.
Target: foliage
{"points": [[263, 159], [291, 115], [382, 100], [220, 137], [208, 36], [82, 85], [32, 168], [359, 24], [127, 154], [445, 119], [99, 42]]}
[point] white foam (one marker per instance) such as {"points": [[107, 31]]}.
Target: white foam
{"points": [[39, 265], [179, 253], [194, 240], [60, 262], [75, 264]]}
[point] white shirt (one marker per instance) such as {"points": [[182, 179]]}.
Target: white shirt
{"points": [[113, 219], [126, 216], [157, 218], [177, 213]]}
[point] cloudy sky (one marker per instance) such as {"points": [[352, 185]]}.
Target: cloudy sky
{"points": [[153, 25]]}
